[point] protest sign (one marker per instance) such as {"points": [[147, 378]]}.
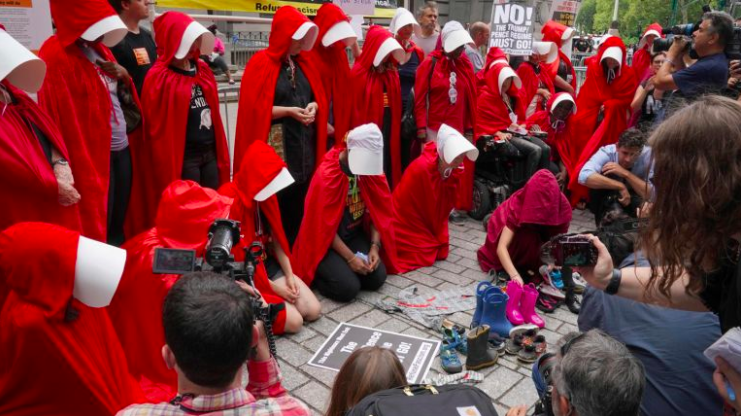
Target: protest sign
{"points": [[357, 7], [512, 28], [27, 21], [565, 11]]}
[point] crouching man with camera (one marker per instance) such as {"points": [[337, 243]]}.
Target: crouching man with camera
{"points": [[210, 333]]}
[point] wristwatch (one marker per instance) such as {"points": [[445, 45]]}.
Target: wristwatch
{"points": [[614, 285], [61, 161]]}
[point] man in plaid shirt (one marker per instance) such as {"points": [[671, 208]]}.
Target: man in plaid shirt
{"points": [[210, 331]]}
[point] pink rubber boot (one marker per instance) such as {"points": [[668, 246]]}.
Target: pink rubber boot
{"points": [[514, 291], [527, 308]]}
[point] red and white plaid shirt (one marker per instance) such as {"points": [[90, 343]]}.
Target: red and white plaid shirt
{"points": [[264, 396]]}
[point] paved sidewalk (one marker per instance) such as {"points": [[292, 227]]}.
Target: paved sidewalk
{"points": [[508, 383]]}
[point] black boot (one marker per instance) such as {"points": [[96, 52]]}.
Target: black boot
{"points": [[568, 287], [479, 355]]}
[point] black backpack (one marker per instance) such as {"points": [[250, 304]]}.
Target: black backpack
{"points": [[419, 399]]}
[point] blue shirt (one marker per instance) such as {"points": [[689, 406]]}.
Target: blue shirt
{"points": [[609, 153], [708, 74]]}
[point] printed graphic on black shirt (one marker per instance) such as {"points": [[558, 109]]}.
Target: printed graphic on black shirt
{"points": [[200, 131]]}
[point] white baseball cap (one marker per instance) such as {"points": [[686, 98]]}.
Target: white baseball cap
{"points": [[112, 28], [22, 68], [403, 17], [451, 144], [613, 52], [281, 181], [455, 36], [389, 46], [98, 271], [307, 34], [194, 31], [564, 97], [365, 150], [546, 48], [508, 72], [341, 31]]}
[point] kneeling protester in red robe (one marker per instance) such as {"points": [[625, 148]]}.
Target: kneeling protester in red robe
{"points": [[346, 241], [186, 212], [38, 180], [254, 189], [59, 353], [424, 198], [184, 133], [555, 121]]}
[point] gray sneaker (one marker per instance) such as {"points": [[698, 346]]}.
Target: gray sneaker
{"points": [[457, 218]]}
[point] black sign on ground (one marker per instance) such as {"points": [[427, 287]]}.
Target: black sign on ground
{"points": [[416, 354]]}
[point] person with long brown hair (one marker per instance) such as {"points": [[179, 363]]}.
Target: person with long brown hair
{"points": [[366, 371], [692, 238]]}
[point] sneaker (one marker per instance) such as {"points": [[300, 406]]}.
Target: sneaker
{"points": [[456, 218], [449, 360], [529, 352], [548, 290], [551, 278], [579, 283], [513, 345], [547, 303], [497, 343], [454, 340], [448, 324], [525, 329]]}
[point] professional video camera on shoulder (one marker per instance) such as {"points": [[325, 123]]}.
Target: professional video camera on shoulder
{"points": [[732, 47]]}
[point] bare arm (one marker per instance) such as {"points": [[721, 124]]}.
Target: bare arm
{"points": [[598, 181], [341, 248], [561, 84], [639, 185], [639, 98], [505, 239]]}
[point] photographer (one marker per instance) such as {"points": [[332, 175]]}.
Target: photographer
{"points": [[694, 228], [618, 169], [209, 333], [710, 72]]}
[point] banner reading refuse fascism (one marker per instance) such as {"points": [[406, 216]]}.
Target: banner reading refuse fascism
{"points": [[383, 9]]}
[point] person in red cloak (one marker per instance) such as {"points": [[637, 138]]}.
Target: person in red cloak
{"points": [[59, 354], [330, 57], [185, 213], [555, 122], [282, 101], [523, 223], [642, 57], [346, 242], [256, 207], [561, 69], [184, 132], [537, 81], [39, 179], [85, 94], [451, 93], [604, 107], [377, 92], [424, 198]]}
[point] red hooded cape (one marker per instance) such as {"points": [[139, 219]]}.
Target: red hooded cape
{"points": [[248, 182], [166, 97], [257, 94], [539, 203], [642, 57], [186, 212], [76, 99], [368, 86], [552, 32], [334, 70], [325, 204], [531, 82], [595, 93], [422, 203], [49, 366], [559, 141], [31, 186], [493, 114]]}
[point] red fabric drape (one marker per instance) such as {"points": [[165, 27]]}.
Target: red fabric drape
{"points": [[642, 57], [539, 203], [422, 203], [334, 68], [559, 141], [49, 366], [595, 94], [166, 97], [325, 204], [258, 91], [185, 213], [552, 32], [532, 77], [493, 114], [368, 87], [31, 189]]}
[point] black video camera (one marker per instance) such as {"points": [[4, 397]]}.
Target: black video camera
{"points": [[223, 235], [569, 250]]}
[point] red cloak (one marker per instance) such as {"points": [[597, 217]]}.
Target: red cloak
{"points": [[258, 90], [560, 140], [166, 97], [185, 213], [595, 93], [49, 366], [422, 203], [31, 187], [535, 213], [369, 86], [325, 204], [334, 69], [642, 57], [493, 114], [76, 99], [552, 32], [532, 76]]}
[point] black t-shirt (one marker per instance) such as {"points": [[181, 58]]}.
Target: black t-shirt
{"points": [[200, 130], [352, 216], [722, 292], [137, 53], [582, 45], [292, 89], [407, 76]]}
